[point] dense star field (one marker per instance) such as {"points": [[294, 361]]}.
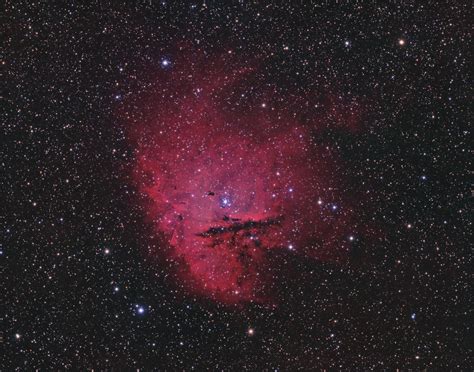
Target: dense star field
{"points": [[236, 186]]}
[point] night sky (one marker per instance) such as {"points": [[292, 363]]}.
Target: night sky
{"points": [[236, 186]]}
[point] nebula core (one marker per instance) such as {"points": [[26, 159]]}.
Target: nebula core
{"points": [[230, 183]]}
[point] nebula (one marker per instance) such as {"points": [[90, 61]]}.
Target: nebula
{"points": [[229, 181]]}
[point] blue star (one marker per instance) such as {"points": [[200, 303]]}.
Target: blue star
{"points": [[225, 201], [165, 63], [140, 310]]}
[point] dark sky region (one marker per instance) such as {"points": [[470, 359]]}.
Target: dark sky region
{"points": [[249, 186]]}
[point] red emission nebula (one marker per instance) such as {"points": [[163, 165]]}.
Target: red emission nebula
{"points": [[230, 181]]}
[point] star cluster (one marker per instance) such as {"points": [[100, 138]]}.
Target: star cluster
{"points": [[245, 186]]}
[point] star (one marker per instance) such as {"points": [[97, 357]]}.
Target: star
{"points": [[225, 201]]}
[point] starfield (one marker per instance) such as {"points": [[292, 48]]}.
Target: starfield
{"points": [[236, 186]]}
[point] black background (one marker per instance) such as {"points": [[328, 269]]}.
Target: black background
{"points": [[67, 196]]}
